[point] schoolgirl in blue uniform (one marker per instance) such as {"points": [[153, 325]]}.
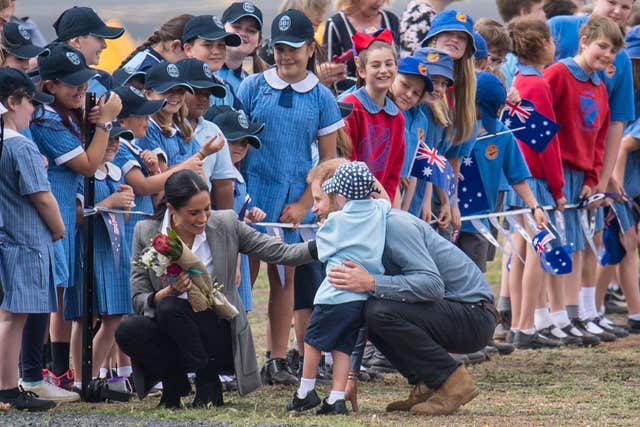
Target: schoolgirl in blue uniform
{"points": [[17, 47], [65, 75], [296, 109], [26, 234]]}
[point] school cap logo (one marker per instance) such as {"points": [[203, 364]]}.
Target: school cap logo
{"points": [[610, 71], [173, 71], [433, 57], [217, 21], [422, 69], [207, 71], [461, 17], [24, 33], [242, 120], [129, 69], [248, 7], [137, 92], [74, 58], [285, 23]]}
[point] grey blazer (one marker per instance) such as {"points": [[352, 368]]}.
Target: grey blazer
{"points": [[227, 236]]}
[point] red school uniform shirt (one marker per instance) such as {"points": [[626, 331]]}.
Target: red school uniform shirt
{"points": [[377, 137], [581, 104], [546, 165]]}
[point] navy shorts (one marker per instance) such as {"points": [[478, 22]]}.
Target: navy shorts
{"points": [[335, 326], [306, 281]]}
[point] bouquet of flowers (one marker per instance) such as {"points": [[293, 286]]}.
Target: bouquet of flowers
{"points": [[168, 256]]}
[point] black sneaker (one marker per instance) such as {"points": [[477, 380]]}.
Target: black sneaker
{"points": [[309, 402], [99, 391], [633, 326], [556, 334], [615, 301], [534, 341], [294, 361], [27, 401], [278, 372], [510, 336], [612, 329], [589, 326], [380, 364], [588, 339], [476, 357], [337, 408], [503, 348]]}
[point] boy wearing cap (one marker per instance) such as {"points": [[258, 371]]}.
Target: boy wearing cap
{"points": [[82, 28], [17, 47], [352, 218]]}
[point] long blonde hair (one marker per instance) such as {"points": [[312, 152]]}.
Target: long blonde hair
{"points": [[179, 120]]}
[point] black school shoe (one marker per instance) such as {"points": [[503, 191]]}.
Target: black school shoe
{"points": [[337, 408], [588, 339], [556, 334], [309, 402], [584, 325], [619, 332], [534, 341], [278, 372], [26, 401], [503, 348], [633, 326]]}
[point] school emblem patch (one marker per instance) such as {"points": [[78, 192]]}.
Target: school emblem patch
{"points": [[129, 69], [73, 58], [242, 119], [461, 17], [24, 33], [422, 69], [248, 7], [173, 71], [610, 71], [217, 21], [137, 92], [206, 70], [433, 57], [491, 152], [285, 23]]}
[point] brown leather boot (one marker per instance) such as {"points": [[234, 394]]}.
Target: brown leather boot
{"points": [[457, 390], [420, 393]]}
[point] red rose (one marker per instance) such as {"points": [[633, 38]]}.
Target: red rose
{"points": [[174, 269], [161, 243]]}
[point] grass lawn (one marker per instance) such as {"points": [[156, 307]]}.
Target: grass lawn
{"points": [[574, 386]]}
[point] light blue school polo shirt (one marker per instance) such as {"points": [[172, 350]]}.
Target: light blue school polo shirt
{"points": [[415, 128], [232, 77]]}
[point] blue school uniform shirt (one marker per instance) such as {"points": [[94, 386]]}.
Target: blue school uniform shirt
{"points": [[26, 250], [232, 77], [172, 147], [217, 165], [617, 77], [144, 60], [355, 233], [496, 156], [415, 129], [276, 173], [231, 99]]}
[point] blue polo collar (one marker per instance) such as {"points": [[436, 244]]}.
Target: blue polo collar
{"points": [[580, 74], [529, 70], [389, 107]]}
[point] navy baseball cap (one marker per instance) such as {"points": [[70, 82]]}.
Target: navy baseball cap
{"points": [[16, 40], [135, 104], [198, 75], [12, 79], [353, 180], [438, 62], [66, 64], [164, 76], [236, 126], [482, 51], [118, 131], [83, 21], [208, 27], [632, 39], [292, 28], [451, 20], [417, 67], [490, 98], [239, 10], [122, 75]]}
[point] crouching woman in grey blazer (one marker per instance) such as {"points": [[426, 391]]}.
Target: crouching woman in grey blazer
{"points": [[167, 338]]}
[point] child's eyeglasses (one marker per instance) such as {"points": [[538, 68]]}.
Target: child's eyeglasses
{"points": [[496, 60]]}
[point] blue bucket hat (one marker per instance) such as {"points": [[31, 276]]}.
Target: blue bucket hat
{"points": [[482, 51], [632, 39], [353, 180], [417, 67], [451, 20], [438, 62], [490, 98]]}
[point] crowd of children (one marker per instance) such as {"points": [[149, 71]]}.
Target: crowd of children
{"points": [[431, 85]]}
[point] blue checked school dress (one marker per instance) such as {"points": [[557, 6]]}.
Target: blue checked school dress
{"points": [[240, 205], [112, 291], [26, 250], [59, 145], [174, 149], [294, 116]]}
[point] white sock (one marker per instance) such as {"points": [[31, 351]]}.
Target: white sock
{"points": [[529, 331], [306, 386], [328, 359], [601, 311], [541, 318], [587, 308], [78, 384], [334, 396], [635, 316], [560, 318], [515, 330], [124, 371], [103, 372]]}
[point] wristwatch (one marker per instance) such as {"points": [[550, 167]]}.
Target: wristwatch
{"points": [[106, 126], [533, 209]]}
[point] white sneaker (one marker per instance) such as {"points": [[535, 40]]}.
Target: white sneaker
{"points": [[48, 391]]}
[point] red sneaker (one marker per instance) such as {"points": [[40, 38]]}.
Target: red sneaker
{"points": [[64, 381]]}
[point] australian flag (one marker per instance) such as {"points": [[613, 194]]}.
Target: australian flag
{"points": [[429, 165], [472, 198], [538, 130]]}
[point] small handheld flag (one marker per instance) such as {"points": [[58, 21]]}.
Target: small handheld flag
{"points": [[471, 195], [429, 165], [538, 130]]}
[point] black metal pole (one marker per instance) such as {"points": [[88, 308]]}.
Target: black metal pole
{"points": [[88, 273]]}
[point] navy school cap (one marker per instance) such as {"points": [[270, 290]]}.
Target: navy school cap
{"points": [[292, 28], [12, 79], [135, 104], [208, 27], [490, 98], [235, 126], [118, 131], [239, 10], [83, 21], [438, 62], [16, 40], [122, 75], [164, 76], [66, 64], [199, 75], [417, 67]]}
